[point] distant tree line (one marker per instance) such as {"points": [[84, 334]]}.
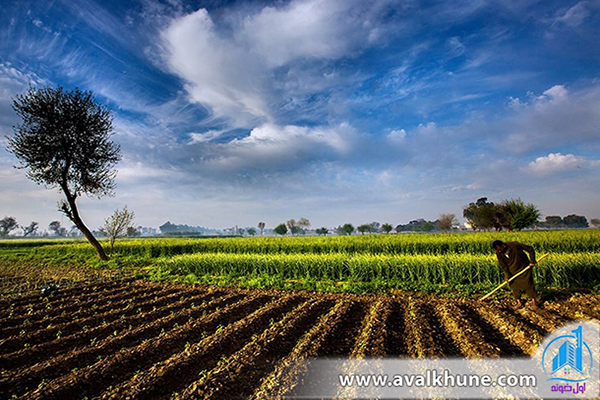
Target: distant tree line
{"points": [[292, 226], [446, 222], [515, 215], [481, 215], [9, 224], [182, 229], [570, 221]]}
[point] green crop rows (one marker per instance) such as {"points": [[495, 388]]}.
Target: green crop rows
{"points": [[462, 262]]}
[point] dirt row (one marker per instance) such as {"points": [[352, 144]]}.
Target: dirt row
{"points": [[135, 339]]}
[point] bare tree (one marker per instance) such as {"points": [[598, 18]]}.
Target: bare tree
{"points": [[446, 221], [292, 225], [117, 225], [304, 224], [30, 230]]}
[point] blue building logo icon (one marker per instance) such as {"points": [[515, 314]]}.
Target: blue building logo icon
{"points": [[570, 355], [568, 358]]}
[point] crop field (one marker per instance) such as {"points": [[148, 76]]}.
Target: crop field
{"points": [[463, 263], [109, 334], [126, 338]]}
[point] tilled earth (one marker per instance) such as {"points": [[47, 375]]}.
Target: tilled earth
{"points": [[125, 338]]}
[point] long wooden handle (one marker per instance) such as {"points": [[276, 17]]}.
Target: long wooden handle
{"points": [[512, 278]]}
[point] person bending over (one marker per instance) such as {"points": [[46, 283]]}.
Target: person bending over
{"points": [[512, 259]]}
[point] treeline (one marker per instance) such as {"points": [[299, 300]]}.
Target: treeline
{"points": [[10, 224], [184, 230], [570, 221], [515, 215]]}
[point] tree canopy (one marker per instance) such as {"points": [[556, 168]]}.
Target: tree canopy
{"points": [[511, 215], [281, 229], [7, 224]]}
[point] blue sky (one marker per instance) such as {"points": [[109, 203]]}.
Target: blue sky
{"points": [[231, 113]]}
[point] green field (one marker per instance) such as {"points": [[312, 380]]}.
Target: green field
{"points": [[458, 263]]}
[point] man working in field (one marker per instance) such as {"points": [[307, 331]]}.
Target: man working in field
{"points": [[512, 259]]}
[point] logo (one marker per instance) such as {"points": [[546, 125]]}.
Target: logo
{"points": [[568, 359]]}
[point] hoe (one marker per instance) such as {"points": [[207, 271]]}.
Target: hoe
{"points": [[512, 278]]}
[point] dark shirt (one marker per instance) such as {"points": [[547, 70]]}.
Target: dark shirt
{"points": [[514, 259]]}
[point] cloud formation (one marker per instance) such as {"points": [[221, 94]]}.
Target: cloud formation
{"points": [[244, 66], [557, 162], [324, 108]]}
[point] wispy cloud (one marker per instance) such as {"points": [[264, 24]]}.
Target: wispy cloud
{"points": [[304, 106], [242, 71]]}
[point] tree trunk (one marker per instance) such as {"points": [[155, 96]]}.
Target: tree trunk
{"points": [[73, 213], [90, 237]]}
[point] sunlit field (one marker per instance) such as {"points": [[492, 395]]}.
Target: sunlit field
{"points": [[459, 262]]}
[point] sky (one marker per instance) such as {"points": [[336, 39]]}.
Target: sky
{"points": [[233, 112]]}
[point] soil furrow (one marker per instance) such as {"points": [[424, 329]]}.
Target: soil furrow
{"points": [[425, 334], [76, 327], [512, 328], [490, 333], [79, 310], [395, 344], [520, 316], [289, 370], [547, 321], [469, 337], [341, 340], [123, 339], [38, 353], [36, 301], [151, 326], [588, 305], [569, 311], [48, 308], [182, 369], [86, 286], [259, 357], [92, 380], [586, 300], [372, 338]]}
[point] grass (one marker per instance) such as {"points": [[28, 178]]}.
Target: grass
{"points": [[463, 263]]}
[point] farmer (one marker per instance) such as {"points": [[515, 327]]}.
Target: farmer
{"points": [[512, 260]]}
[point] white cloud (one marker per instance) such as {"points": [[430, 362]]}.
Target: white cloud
{"points": [[219, 73], [12, 82], [397, 136], [137, 172], [273, 148], [311, 29], [556, 93], [206, 136], [557, 162], [455, 47], [556, 117], [241, 70]]}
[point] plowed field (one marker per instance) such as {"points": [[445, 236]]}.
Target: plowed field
{"points": [[134, 339]]}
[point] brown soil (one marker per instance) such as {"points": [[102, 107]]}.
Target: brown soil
{"points": [[123, 338]]}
